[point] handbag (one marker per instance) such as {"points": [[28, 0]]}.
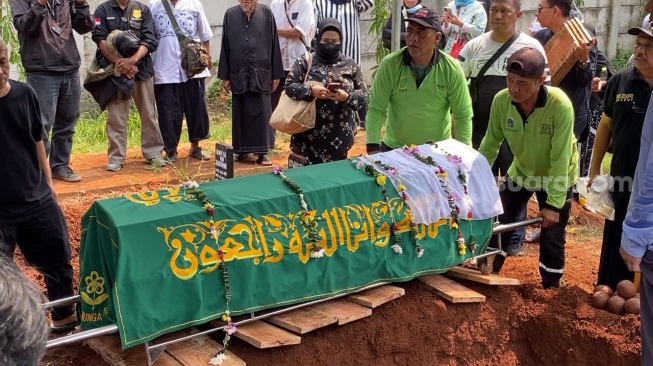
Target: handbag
{"points": [[194, 56], [295, 116], [473, 83]]}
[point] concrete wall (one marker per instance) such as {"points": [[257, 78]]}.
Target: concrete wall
{"points": [[612, 18]]}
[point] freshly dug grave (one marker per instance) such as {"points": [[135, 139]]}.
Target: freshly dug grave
{"points": [[523, 325]]}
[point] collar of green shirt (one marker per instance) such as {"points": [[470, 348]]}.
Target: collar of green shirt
{"points": [[542, 97]]}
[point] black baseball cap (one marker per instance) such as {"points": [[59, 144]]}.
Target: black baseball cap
{"points": [[426, 17], [646, 30], [526, 62]]}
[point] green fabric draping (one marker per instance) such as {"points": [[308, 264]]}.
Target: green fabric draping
{"points": [[149, 264]]}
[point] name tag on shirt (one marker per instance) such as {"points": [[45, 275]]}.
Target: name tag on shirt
{"points": [[111, 18]]}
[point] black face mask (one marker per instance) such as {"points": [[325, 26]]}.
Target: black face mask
{"points": [[329, 52]]}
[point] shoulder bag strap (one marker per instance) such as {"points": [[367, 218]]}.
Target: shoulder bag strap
{"points": [[494, 57], [285, 6], [308, 69], [173, 20]]}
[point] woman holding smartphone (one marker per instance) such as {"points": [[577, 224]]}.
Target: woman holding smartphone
{"points": [[340, 92], [462, 21]]}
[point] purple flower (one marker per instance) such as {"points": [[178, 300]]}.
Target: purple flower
{"points": [[455, 159], [276, 170]]}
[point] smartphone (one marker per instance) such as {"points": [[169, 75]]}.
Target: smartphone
{"points": [[448, 11], [333, 86]]}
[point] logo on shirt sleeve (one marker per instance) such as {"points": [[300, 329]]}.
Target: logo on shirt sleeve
{"points": [[137, 14], [98, 21]]}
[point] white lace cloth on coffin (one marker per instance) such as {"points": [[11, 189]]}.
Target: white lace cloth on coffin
{"points": [[427, 198]]}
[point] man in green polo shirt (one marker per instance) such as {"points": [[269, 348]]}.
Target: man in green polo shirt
{"points": [[416, 89], [537, 122]]}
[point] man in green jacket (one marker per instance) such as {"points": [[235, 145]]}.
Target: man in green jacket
{"points": [[416, 89], [537, 122]]}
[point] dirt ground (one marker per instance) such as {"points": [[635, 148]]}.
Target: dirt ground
{"points": [[522, 325]]}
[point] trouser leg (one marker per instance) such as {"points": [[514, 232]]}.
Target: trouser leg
{"points": [[118, 114], [45, 244], [513, 199], [552, 244], [169, 99], [151, 140], [47, 87], [66, 118], [197, 117]]}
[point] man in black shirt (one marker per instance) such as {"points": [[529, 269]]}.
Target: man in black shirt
{"points": [[29, 213], [130, 15], [577, 84], [624, 107]]}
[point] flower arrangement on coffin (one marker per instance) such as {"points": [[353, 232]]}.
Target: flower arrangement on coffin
{"points": [[381, 181], [442, 175], [192, 191], [308, 222]]}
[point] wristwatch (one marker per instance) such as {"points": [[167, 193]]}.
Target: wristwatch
{"points": [[584, 64]]}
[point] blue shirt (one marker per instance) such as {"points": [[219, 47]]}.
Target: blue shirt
{"points": [[637, 235]]}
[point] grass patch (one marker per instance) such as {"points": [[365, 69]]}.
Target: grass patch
{"points": [[91, 136], [621, 59]]}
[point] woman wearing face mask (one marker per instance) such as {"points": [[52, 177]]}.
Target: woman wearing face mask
{"points": [[410, 7], [340, 92], [462, 21]]}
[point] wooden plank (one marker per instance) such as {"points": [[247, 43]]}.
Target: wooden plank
{"points": [[345, 311], [476, 276], [302, 320], [450, 290], [109, 348], [196, 351], [377, 296], [265, 335]]}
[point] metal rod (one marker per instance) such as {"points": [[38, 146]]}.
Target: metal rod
{"points": [[507, 227], [263, 316], [62, 302], [82, 336]]}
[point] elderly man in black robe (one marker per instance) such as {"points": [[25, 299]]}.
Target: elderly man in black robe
{"points": [[250, 68]]}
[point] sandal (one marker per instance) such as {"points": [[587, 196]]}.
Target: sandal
{"points": [[263, 160], [200, 154], [244, 157]]}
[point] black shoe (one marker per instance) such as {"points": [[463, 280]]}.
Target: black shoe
{"points": [[172, 158]]}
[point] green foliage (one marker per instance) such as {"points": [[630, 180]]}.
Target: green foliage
{"points": [[380, 16], [10, 37], [621, 59], [90, 131], [218, 101]]}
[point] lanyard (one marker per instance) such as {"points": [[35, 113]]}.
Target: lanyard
{"points": [[51, 7]]}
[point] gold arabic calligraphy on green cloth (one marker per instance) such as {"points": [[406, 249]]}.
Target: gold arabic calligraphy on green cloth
{"points": [[148, 263]]}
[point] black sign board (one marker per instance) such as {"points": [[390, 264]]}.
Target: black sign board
{"points": [[297, 161], [224, 161]]}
